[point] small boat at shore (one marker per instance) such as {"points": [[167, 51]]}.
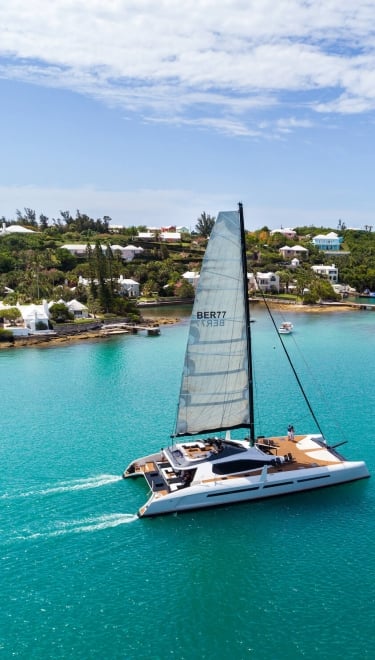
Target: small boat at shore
{"points": [[217, 397], [286, 328]]}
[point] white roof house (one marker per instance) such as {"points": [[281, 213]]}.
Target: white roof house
{"points": [[268, 281], [288, 252], [79, 310], [15, 229], [79, 249], [331, 273], [328, 242], [127, 253], [146, 235], [287, 232], [264, 281], [36, 317], [170, 236], [191, 277], [129, 286]]}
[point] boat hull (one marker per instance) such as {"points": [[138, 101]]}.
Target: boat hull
{"points": [[252, 488]]}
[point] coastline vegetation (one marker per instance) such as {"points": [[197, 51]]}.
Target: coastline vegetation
{"points": [[36, 266]]}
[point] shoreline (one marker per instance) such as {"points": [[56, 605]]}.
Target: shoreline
{"points": [[99, 333], [322, 308]]}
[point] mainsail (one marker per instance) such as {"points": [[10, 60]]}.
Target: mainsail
{"points": [[215, 384]]}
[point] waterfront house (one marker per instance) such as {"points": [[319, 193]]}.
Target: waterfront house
{"points": [[36, 317], [330, 273], [128, 286], [78, 309], [266, 282]]}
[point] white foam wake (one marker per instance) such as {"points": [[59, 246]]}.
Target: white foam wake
{"points": [[90, 524], [68, 486]]}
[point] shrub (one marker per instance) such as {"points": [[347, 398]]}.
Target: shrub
{"points": [[6, 336]]}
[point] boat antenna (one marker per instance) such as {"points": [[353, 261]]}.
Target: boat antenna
{"points": [[293, 368], [247, 324]]}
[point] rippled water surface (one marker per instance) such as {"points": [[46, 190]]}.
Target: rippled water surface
{"points": [[83, 577]]}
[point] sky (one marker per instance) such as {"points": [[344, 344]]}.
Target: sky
{"points": [[152, 112]]}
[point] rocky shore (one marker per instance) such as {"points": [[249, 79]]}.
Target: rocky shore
{"points": [[71, 333]]}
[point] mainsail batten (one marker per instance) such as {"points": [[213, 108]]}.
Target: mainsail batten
{"points": [[215, 383]]}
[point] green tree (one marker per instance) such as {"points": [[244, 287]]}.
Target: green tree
{"points": [[60, 313], [11, 314], [184, 290], [205, 224], [102, 275], [93, 305], [43, 222], [286, 278]]}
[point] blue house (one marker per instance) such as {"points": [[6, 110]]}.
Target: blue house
{"points": [[328, 242]]}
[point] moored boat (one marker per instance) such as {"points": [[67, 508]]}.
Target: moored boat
{"points": [[286, 328]]}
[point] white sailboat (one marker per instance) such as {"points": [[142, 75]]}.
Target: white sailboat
{"points": [[216, 397]]}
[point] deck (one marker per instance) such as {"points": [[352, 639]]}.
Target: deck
{"points": [[162, 479]]}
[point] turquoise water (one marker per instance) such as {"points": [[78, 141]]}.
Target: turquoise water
{"points": [[82, 577]]}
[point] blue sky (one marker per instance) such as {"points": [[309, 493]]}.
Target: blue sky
{"points": [[153, 112]]}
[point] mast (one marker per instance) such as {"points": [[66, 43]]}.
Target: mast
{"points": [[247, 324]]}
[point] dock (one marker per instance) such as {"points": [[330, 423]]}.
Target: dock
{"points": [[132, 328]]}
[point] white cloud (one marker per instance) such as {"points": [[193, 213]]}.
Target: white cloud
{"points": [[172, 59]]}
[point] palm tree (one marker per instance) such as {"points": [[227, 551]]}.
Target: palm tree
{"points": [[205, 224]]}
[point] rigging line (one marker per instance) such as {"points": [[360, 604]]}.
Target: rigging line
{"points": [[316, 383], [247, 324], [292, 367]]}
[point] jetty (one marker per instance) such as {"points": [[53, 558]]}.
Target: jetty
{"points": [[133, 328]]}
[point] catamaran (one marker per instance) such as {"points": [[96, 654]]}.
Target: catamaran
{"points": [[216, 397]]}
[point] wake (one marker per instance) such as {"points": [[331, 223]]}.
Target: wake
{"points": [[67, 486], [86, 525]]}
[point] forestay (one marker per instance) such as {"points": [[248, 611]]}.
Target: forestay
{"points": [[214, 391]]}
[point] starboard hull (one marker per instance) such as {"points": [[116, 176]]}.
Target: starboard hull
{"points": [[233, 489], [207, 499]]}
